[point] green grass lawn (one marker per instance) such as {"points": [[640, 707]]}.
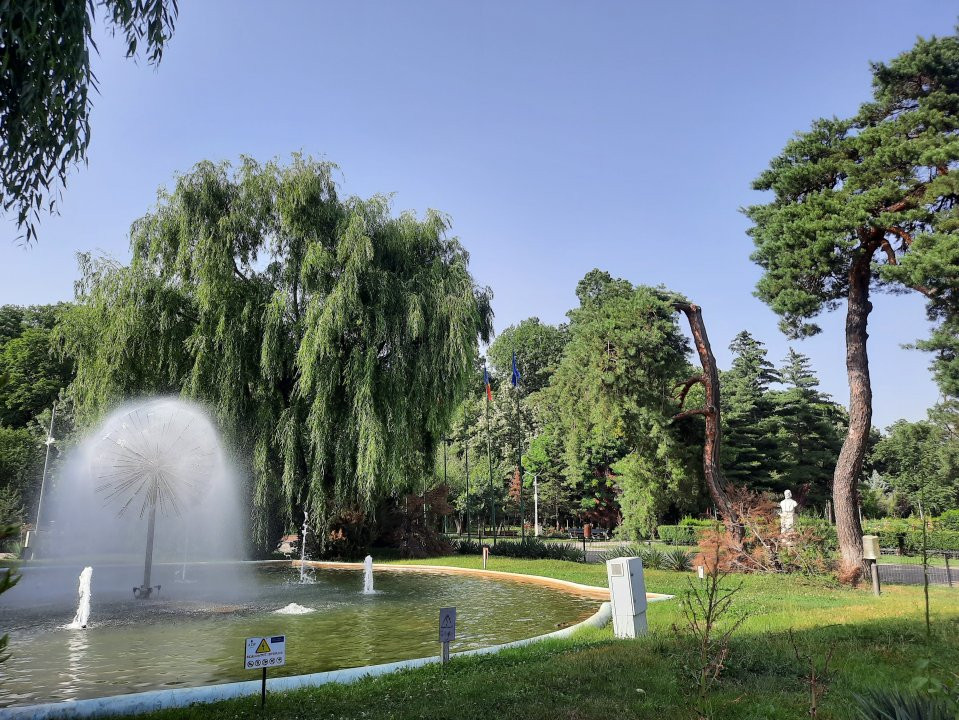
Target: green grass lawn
{"points": [[876, 642]]}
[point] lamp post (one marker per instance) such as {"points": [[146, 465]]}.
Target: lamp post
{"points": [[467, 446], [46, 462], [535, 505], [446, 443]]}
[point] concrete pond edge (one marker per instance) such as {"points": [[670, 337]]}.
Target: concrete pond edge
{"points": [[153, 700]]}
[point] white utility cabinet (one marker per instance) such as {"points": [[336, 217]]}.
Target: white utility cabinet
{"points": [[627, 591]]}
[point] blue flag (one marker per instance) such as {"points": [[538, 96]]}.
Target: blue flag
{"points": [[516, 376]]}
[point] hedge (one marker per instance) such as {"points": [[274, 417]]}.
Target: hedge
{"points": [[680, 534]]}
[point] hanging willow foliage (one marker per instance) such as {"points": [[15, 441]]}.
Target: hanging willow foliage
{"points": [[332, 340]]}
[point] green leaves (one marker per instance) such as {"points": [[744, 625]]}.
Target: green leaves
{"points": [[332, 339], [45, 81]]}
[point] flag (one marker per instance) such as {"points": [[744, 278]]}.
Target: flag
{"points": [[489, 393], [516, 376]]}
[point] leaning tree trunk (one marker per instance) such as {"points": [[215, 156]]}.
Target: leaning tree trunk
{"points": [[845, 480], [714, 434]]}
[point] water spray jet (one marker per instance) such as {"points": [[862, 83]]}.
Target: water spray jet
{"points": [[158, 456]]}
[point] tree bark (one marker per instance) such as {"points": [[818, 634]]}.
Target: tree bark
{"points": [[714, 433], [845, 481]]}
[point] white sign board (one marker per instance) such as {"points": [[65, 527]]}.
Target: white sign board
{"points": [[265, 652], [447, 624]]}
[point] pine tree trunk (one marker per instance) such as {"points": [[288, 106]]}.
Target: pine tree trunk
{"points": [[845, 481], [710, 380]]}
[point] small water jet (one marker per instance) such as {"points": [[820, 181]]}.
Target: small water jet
{"points": [[294, 609], [305, 577], [83, 607], [159, 455], [368, 576]]}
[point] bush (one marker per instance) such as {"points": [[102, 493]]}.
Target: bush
{"points": [[893, 704], [629, 550], [821, 529], [678, 560], [653, 559], [467, 547], [680, 534], [949, 520], [698, 522], [535, 549]]}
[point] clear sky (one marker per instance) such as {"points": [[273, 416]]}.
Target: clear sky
{"points": [[559, 136]]}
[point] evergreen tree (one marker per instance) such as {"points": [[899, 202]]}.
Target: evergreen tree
{"points": [[538, 349], [749, 449], [861, 203], [809, 432], [614, 399]]}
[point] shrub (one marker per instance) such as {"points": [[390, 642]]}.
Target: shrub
{"points": [[653, 559], [893, 704], [678, 560], [698, 522], [680, 534], [949, 520], [535, 549], [467, 547], [629, 550]]}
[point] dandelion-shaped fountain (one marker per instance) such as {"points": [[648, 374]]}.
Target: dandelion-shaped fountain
{"points": [[160, 455]]}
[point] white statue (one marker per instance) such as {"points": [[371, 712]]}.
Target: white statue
{"points": [[787, 514]]}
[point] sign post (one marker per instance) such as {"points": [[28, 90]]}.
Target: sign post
{"points": [[485, 555], [447, 630], [263, 653]]}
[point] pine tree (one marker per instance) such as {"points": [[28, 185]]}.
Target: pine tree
{"points": [[809, 432], [861, 203], [749, 452]]}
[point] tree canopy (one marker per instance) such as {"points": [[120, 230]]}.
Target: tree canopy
{"points": [[45, 83], [538, 347], [861, 204], [332, 339]]}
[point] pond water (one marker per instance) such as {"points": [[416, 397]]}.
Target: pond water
{"points": [[194, 633]]}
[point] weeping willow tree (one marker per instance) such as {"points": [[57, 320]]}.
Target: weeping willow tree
{"points": [[332, 339]]}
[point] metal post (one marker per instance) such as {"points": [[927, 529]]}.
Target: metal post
{"points": [[446, 444], [467, 441], [489, 460], [945, 557], [148, 561], [446, 653], [874, 570], [536, 505], [46, 462], [263, 690], [519, 465]]}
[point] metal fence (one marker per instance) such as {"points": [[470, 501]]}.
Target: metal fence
{"points": [[942, 568]]}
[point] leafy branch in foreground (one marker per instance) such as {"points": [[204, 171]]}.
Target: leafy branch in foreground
{"points": [[45, 81], [816, 676]]}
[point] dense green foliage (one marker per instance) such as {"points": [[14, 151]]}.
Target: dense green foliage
{"points": [[45, 83], [538, 347], [920, 462], [877, 185], [778, 438], [614, 392], [332, 340], [32, 378]]}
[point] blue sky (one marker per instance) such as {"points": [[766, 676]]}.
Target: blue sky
{"points": [[559, 137]]}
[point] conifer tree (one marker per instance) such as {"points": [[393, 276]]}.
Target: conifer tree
{"points": [[863, 204]]}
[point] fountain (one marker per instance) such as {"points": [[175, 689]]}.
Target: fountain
{"points": [[304, 576], [83, 607], [368, 576], [159, 455]]}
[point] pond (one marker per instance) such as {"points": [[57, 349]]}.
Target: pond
{"points": [[193, 633]]}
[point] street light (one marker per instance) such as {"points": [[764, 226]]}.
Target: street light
{"points": [[446, 443], [535, 505], [46, 462]]}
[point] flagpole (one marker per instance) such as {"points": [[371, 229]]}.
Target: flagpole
{"points": [[519, 447], [489, 459]]}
